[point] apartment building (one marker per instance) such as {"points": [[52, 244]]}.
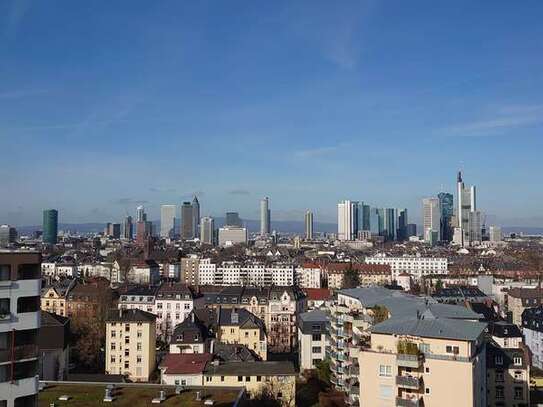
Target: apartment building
{"points": [[358, 309], [312, 338], [309, 275], [278, 307], [131, 343], [206, 273], [54, 345], [416, 266], [191, 336], [532, 329], [59, 270], [508, 367], [253, 274], [20, 283], [90, 299], [368, 274], [277, 379], [138, 297], [239, 326], [518, 299], [424, 362], [184, 369], [173, 304], [53, 296], [144, 272], [189, 269]]}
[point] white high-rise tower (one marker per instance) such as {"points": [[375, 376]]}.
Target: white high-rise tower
{"points": [[167, 220], [347, 220], [431, 216], [265, 218]]}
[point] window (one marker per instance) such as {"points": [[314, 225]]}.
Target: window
{"points": [[519, 394], [499, 392], [517, 360], [385, 370], [452, 349], [316, 349], [112, 359], [222, 378], [138, 359], [499, 376], [498, 360], [316, 337], [240, 378], [113, 334], [259, 378], [427, 390], [208, 378], [427, 370], [247, 378], [113, 347], [385, 391], [424, 347], [518, 375], [139, 346], [139, 334], [126, 364]]}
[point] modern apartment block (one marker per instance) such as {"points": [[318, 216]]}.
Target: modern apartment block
{"points": [[131, 343], [358, 309], [424, 362], [173, 304], [20, 283], [416, 266], [250, 273]]}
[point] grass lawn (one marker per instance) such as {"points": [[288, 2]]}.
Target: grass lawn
{"points": [[92, 395]]}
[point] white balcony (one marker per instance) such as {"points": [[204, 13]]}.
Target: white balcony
{"points": [[20, 388]]}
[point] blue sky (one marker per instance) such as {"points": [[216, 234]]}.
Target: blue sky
{"points": [[104, 105]]}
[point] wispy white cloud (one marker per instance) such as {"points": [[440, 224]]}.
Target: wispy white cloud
{"points": [[506, 118]]}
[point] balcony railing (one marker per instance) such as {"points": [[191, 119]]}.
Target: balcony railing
{"points": [[408, 402], [407, 360], [20, 352], [408, 382]]}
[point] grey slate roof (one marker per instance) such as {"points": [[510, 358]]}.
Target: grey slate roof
{"points": [[432, 328], [402, 305]]}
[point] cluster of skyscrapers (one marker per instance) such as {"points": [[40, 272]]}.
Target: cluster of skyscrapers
{"points": [[357, 221], [461, 224]]}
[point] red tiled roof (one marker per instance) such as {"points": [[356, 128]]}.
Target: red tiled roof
{"points": [[185, 363], [318, 294]]}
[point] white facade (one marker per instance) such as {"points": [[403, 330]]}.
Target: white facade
{"points": [[57, 270], [347, 220], [495, 234], [231, 235], [431, 214], [171, 310], [534, 341], [19, 311], [309, 277], [416, 266], [255, 274], [312, 348], [144, 274], [207, 230], [167, 220], [265, 217], [206, 272]]}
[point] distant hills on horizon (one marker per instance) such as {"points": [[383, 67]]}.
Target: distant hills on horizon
{"points": [[253, 226]]}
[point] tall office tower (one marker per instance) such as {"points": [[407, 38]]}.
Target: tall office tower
{"points": [[475, 226], [233, 219], [20, 277], [195, 217], [187, 221], [446, 201], [376, 221], [389, 225], [167, 221], [141, 215], [207, 230], [347, 220], [364, 223], [107, 229], [411, 229], [402, 224], [8, 234], [466, 202], [128, 228], [116, 230], [309, 225], [431, 219], [265, 217], [495, 234], [50, 226]]}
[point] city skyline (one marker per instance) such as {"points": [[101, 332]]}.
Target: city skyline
{"points": [[335, 96]]}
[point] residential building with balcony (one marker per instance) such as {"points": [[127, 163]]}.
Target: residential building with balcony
{"points": [[416, 266], [424, 361], [20, 284], [140, 297], [238, 326], [358, 309], [131, 343]]}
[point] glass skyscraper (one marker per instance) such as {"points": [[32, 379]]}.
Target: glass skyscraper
{"points": [[50, 226]]}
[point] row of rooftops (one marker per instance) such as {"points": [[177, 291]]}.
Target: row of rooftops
{"points": [[419, 316]]}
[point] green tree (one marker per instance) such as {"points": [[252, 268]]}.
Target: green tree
{"points": [[323, 371], [351, 279], [380, 314]]}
